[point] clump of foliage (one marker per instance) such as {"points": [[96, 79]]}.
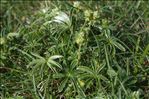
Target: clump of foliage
{"points": [[74, 50]]}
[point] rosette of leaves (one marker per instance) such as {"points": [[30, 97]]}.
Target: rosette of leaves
{"points": [[70, 83], [40, 62]]}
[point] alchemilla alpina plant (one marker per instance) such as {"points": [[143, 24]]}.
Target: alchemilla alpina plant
{"points": [[74, 50]]}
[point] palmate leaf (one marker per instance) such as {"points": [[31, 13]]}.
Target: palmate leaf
{"points": [[43, 61], [51, 67], [36, 62], [62, 18], [52, 62]]}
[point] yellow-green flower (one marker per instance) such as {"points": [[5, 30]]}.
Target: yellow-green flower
{"points": [[95, 15], [88, 15], [81, 83], [76, 4], [79, 38], [2, 41]]}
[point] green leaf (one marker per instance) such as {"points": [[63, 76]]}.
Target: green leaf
{"points": [[63, 84], [111, 72], [37, 56], [35, 62], [11, 35], [58, 75], [54, 63], [86, 69], [25, 53], [50, 66], [145, 53], [119, 46], [16, 97], [55, 57], [107, 58], [103, 78]]}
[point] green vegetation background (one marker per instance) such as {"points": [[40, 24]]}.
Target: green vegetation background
{"points": [[74, 49]]}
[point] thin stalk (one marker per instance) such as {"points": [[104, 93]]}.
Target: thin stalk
{"points": [[127, 64], [107, 59], [34, 85], [79, 54]]}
